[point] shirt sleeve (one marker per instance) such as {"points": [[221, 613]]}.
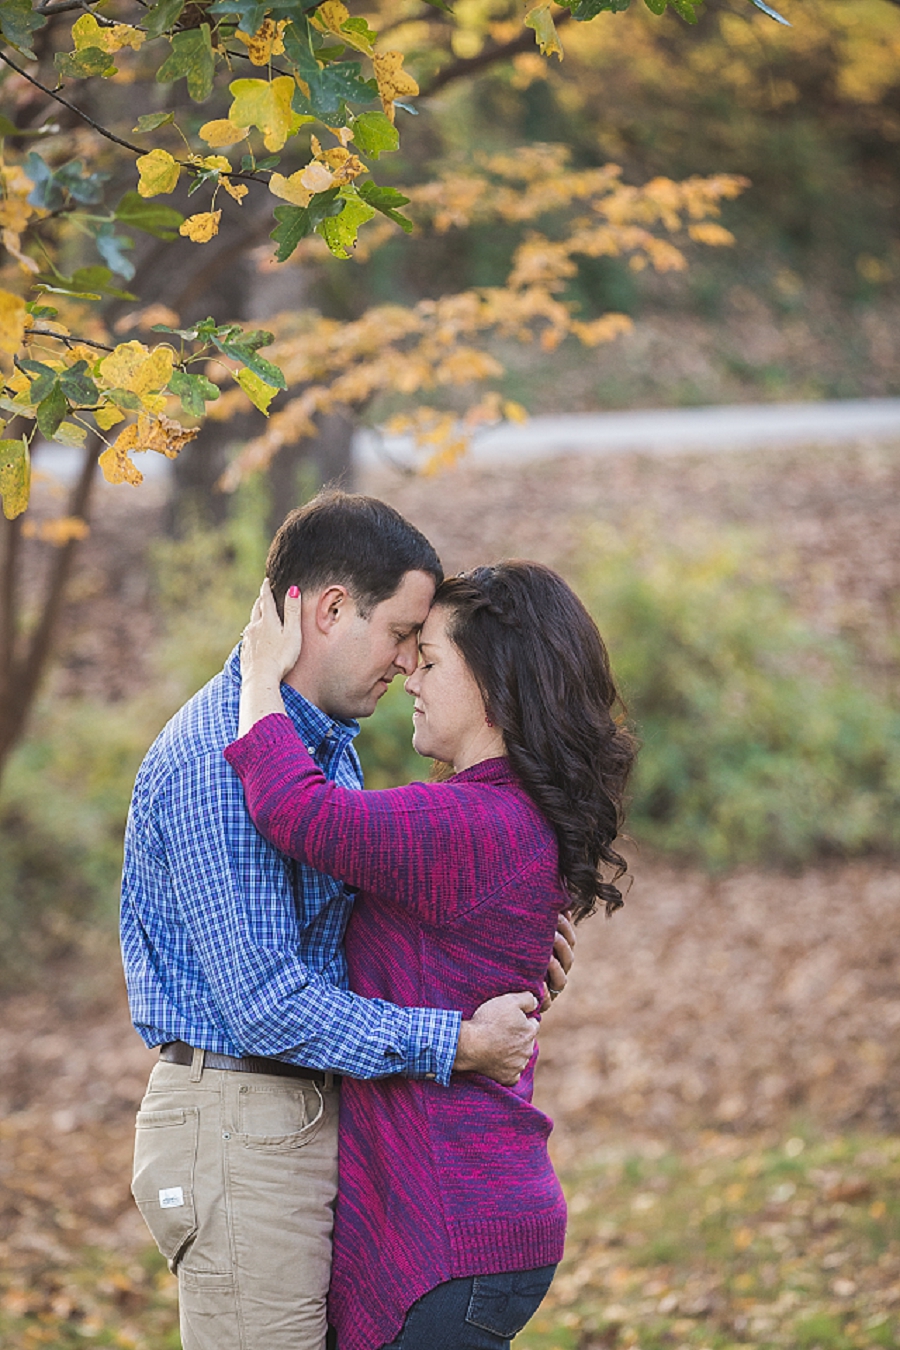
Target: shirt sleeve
{"points": [[234, 897], [435, 849]]}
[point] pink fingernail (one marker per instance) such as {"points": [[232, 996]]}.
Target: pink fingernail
{"points": [[294, 592]]}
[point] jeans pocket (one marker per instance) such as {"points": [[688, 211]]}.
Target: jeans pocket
{"points": [[503, 1304], [279, 1118], [165, 1155]]}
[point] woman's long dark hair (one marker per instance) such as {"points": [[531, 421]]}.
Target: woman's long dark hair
{"points": [[543, 671]]}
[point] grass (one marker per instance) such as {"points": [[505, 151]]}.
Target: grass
{"points": [[729, 1243], [719, 1244]]}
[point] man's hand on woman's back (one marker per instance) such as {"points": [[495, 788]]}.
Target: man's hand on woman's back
{"points": [[498, 1039]]}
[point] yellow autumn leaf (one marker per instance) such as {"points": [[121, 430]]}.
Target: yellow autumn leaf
{"points": [[236, 190], [266, 42], [87, 32], [259, 393], [202, 227], [541, 20], [12, 322], [107, 415], [159, 172], [222, 132], [12, 244], [131, 366], [707, 232], [393, 81], [332, 16], [343, 165], [216, 162], [290, 189], [161, 434], [115, 464], [316, 177], [15, 477], [267, 105]]}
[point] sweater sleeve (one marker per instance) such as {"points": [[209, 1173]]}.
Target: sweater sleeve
{"points": [[433, 848]]}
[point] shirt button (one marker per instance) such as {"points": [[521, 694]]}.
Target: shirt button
{"points": [[311, 749]]}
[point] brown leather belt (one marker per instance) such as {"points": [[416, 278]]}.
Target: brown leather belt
{"points": [[179, 1052]]}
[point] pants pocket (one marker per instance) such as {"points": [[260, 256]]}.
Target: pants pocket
{"points": [[165, 1155], [279, 1117], [503, 1304]]}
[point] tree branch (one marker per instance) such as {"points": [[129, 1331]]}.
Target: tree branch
{"points": [[104, 131], [471, 65], [68, 338]]}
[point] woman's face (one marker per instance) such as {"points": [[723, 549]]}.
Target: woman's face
{"points": [[449, 718]]}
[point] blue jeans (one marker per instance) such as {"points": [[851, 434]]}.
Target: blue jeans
{"points": [[482, 1312]]}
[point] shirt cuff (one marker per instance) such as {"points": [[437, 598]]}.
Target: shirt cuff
{"points": [[432, 1039]]}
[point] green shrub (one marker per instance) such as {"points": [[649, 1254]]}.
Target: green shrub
{"points": [[762, 741]]}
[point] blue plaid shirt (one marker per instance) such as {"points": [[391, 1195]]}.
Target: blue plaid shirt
{"points": [[229, 945]]}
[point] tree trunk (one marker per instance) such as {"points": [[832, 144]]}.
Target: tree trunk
{"points": [[24, 659]]}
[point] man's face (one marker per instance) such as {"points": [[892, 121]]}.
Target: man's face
{"points": [[366, 653]]}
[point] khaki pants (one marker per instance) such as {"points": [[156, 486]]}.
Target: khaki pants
{"points": [[236, 1177]]}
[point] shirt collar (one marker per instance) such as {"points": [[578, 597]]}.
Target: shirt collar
{"points": [[314, 726]]}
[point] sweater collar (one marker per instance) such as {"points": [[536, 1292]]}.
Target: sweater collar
{"points": [[487, 771]]}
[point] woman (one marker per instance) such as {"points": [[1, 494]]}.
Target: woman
{"points": [[450, 1220]]}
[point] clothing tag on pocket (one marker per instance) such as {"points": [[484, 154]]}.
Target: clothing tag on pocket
{"points": [[171, 1197]]}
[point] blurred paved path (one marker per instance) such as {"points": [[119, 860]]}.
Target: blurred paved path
{"points": [[667, 431]]}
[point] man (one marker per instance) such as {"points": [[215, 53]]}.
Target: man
{"points": [[234, 962]]}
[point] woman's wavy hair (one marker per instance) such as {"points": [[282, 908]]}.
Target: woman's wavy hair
{"points": [[544, 674]]}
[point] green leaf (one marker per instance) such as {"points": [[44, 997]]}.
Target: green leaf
{"points": [[45, 379], [17, 22], [584, 10], [70, 433], [162, 17], [194, 391], [15, 477], [296, 222], [137, 212], [67, 290], [51, 411], [244, 350], [250, 13], [150, 121], [386, 200], [329, 88], [293, 225], [657, 6], [39, 311], [192, 58], [8, 128], [375, 134], [685, 9], [112, 246], [124, 399], [339, 232], [77, 385], [81, 65]]}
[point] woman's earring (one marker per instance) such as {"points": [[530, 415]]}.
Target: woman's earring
{"points": [[489, 722]]}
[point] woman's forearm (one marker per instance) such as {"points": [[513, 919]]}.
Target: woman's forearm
{"points": [[260, 696]]}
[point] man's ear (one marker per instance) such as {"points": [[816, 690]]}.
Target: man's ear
{"points": [[330, 606]]}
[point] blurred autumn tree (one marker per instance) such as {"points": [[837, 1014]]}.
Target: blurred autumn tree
{"points": [[103, 120]]}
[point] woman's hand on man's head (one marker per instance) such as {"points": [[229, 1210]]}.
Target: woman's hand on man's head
{"points": [[270, 649]]}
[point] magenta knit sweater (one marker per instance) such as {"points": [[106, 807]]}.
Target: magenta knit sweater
{"points": [[459, 894]]}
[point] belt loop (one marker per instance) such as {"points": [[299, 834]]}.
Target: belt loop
{"points": [[197, 1065], [329, 1080]]}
